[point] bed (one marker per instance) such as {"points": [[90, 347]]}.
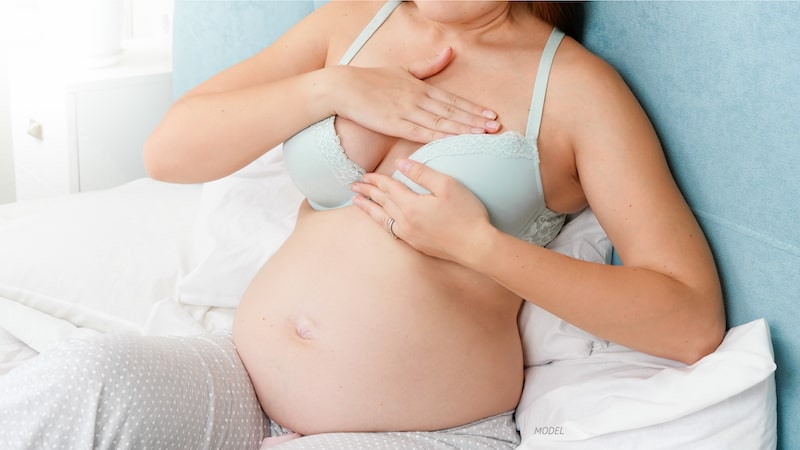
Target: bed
{"points": [[163, 259]]}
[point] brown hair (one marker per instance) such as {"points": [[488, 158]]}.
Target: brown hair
{"points": [[563, 15]]}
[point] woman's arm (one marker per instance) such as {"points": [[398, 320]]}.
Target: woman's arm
{"points": [[666, 299], [234, 117]]}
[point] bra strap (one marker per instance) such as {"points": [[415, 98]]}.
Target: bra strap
{"points": [[380, 17], [540, 83]]}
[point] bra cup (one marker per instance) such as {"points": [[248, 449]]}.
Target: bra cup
{"points": [[507, 187], [319, 167]]}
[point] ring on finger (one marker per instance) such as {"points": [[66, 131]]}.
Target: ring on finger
{"points": [[390, 226]]}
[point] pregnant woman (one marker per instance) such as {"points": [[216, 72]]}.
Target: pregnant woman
{"points": [[440, 146]]}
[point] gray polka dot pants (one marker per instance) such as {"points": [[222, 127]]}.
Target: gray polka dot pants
{"points": [[134, 392]]}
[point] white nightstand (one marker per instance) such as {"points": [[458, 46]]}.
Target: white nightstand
{"points": [[82, 129]]}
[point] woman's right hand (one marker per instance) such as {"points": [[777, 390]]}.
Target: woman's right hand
{"points": [[396, 101]]}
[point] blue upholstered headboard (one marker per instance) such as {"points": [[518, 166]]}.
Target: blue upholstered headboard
{"points": [[720, 81]]}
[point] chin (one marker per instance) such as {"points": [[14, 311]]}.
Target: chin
{"points": [[449, 11]]}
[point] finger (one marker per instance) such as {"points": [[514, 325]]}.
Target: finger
{"points": [[476, 116], [367, 204], [433, 181], [415, 132], [379, 214], [446, 118], [461, 104], [373, 210], [381, 189], [429, 67]]}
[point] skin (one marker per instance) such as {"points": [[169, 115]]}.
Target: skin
{"points": [[346, 329]]}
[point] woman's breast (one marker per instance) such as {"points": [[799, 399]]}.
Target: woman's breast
{"points": [[347, 329], [323, 170]]}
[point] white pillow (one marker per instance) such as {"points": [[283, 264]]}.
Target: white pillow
{"points": [[243, 219], [546, 337], [99, 260], [622, 399], [583, 392]]}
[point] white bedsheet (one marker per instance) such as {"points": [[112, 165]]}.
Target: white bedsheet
{"points": [[106, 261], [12, 352]]}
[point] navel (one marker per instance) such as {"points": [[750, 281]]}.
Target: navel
{"points": [[305, 329]]}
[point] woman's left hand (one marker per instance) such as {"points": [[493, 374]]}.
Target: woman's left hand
{"points": [[445, 223]]}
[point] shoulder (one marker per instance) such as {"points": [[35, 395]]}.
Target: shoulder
{"points": [[593, 97], [586, 78], [341, 21]]}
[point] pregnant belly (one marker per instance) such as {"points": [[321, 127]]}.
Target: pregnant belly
{"points": [[334, 341]]}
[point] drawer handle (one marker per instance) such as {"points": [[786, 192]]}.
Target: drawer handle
{"points": [[35, 129]]}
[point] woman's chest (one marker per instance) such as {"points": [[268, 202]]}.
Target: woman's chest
{"points": [[376, 152]]}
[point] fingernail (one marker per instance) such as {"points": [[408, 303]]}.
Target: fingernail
{"points": [[404, 165], [492, 125], [489, 114]]}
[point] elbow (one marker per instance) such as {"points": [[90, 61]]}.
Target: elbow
{"points": [[166, 151], [704, 341], [701, 348], [157, 161], [152, 162]]}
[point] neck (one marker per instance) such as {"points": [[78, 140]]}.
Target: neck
{"points": [[469, 21]]}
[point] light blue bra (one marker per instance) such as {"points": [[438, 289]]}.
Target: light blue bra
{"points": [[502, 170]]}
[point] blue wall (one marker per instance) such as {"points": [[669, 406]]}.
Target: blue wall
{"points": [[212, 35], [721, 82]]}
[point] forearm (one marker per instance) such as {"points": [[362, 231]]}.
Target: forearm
{"points": [[207, 136], [636, 307]]}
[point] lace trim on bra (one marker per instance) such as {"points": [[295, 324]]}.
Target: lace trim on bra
{"points": [[511, 145], [545, 228], [331, 150]]}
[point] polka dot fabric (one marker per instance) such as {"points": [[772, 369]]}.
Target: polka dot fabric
{"points": [[127, 392], [135, 392], [494, 433]]}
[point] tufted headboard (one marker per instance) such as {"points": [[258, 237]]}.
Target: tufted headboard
{"points": [[721, 83]]}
